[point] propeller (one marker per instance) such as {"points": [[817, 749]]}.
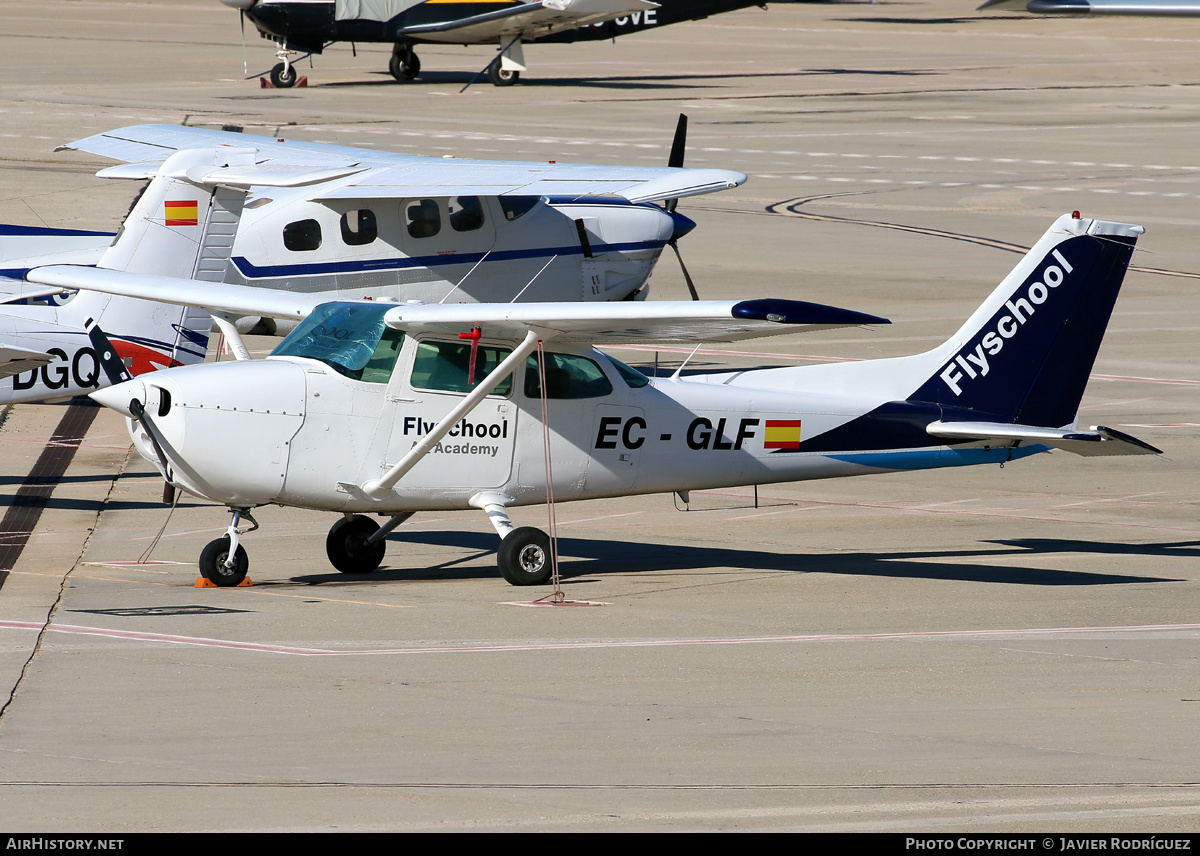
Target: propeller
{"points": [[682, 224], [117, 373]]}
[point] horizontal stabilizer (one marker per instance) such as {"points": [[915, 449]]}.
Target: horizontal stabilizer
{"points": [[14, 360], [1097, 440]]}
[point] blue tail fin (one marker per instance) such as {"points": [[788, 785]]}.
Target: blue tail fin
{"points": [[1025, 355]]}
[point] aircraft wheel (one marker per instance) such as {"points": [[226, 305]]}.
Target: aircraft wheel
{"points": [[212, 563], [283, 76], [404, 66], [524, 557], [347, 547], [502, 76]]}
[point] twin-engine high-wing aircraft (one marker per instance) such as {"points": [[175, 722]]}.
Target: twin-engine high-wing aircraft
{"points": [[370, 409], [310, 26], [1162, 8], [361, 223]]}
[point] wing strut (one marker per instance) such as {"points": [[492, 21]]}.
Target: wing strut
{"points": [[382, 488]]}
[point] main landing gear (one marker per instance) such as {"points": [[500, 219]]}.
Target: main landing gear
{"points": [[500, 76], [356, 544]]}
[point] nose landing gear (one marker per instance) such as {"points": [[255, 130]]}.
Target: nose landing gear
{"points": [[224, 562]]}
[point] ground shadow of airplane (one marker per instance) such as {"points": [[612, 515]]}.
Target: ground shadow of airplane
{"points": [[631, 82], [584, 558]]}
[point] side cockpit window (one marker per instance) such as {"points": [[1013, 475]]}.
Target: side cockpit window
{"points": [[567, 376], [515, 207], [446, 367], [465, 213]]}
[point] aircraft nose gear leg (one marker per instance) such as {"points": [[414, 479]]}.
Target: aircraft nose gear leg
{"points": [[283, 75], [224, 562], [404, 64]]}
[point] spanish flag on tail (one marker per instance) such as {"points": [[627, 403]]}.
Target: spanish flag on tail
{"points": [[782, 434], [180, 212]]}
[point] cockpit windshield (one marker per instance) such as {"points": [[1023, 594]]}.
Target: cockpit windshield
{"points": [[350, 338]]}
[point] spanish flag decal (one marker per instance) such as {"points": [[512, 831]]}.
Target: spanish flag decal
{"points": [[180, 212], [782, 434]]}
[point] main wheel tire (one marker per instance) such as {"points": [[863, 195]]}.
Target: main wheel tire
{"points": [[524, 557], [502, 76], [404, 66], [212, 563], [283, 76], [347, 547]]}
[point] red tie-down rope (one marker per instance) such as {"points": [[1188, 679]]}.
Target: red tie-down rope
{"points": [[557, 595]]}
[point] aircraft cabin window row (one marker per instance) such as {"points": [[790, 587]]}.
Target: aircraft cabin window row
{"points": [[422, 218]]}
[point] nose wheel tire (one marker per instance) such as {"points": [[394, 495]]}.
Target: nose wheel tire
{"points": [[347, 547], [524, 557], [212, 563], [283, 76], [404, 66]]}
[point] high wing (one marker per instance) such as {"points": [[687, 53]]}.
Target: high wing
{"points": [[1164, 8], [529, 20], [679, 321], [392, 175], [592, 323]]}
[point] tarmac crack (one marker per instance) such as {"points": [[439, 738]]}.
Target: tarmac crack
{"points": [[27, 506]]}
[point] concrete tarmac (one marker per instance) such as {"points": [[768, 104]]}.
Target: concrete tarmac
{"points": [[987, 649]]}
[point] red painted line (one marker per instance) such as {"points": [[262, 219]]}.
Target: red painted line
{"points": [[570, 646], [1174, 380]]}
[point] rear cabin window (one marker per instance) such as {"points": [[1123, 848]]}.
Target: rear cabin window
{"points": [[633, 378], [350, 338], [465, 213], [423, 218], [359, 227], [446, 367], [567, 376], [302, 236]]}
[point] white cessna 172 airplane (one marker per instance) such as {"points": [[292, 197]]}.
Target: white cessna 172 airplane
{"points": [[342, 221], [367, 408]]}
